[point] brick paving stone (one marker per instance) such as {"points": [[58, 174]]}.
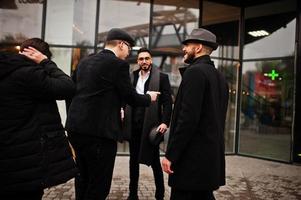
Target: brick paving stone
{"points": [[247, 179]]}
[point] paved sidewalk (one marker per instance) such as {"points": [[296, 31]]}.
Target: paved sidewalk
{"points": [[247, 179]]}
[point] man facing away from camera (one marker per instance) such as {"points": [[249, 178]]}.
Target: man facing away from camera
{"points": [[94, 121], [34, 150], [195, 155], [142, 120]]}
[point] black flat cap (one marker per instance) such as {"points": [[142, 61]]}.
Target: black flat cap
{"points": [[119, 34], [202, 36]]}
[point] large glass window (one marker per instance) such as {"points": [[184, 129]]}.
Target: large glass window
{"points": [[223, 21], [230, 69], [132, 16], [270, 30], [268, 81], [65, 58], [267, 108], [71, 22], [19, 21], [62, 57], [171, 23]]}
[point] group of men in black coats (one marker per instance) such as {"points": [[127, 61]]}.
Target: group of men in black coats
{"points": [[32, 134]]}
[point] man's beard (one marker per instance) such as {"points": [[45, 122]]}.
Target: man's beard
{"points": [[144, 68], [190, 57]]}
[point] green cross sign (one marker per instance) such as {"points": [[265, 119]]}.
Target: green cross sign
{"points": [[273, 74]]}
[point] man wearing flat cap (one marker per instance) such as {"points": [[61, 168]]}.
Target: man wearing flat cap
{"points": [[194, 158], [94, 122]]}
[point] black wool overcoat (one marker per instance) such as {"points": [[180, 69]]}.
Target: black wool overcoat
{"points": [[102, 86], [196, 142], [34, 151]]}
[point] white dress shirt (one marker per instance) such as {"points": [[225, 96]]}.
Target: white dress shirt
{"points": [[141, 82]]}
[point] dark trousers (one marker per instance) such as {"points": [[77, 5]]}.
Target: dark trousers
{"points": [[177, 194], [134, 167], [24, 195], [95, 159]]}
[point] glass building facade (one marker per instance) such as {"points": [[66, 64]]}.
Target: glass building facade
{"points": [[259, 54]]}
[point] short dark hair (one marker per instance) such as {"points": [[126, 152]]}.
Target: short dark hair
{"points": [[143, 49], [38, 44]]}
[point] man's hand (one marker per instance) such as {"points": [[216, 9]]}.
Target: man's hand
{"points": [[153, 94], [166, 166], [33, 54], [162, 128]]}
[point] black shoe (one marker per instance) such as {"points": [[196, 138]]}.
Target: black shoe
{"points": [[133, 198]]}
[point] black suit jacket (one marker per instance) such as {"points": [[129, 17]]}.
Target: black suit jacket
{"points": [[164, 100], [196, 142], [151, 118], [102, 84]]}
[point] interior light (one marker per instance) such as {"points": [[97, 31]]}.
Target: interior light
{"points": [[136, 48], [259, 33]]}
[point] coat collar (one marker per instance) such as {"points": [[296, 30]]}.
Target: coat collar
{"points": [[202, 59], [107, 51]]}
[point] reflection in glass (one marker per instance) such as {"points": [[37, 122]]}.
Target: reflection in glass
{"points": [[230, 71], [223, 21], [10, 48], [267, 108], [78, 54], [132, 16], [73, 22], [171, 25], [62, 57], [270, 32], [20, 21]]}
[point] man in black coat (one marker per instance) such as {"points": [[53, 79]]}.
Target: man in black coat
{"points": [[142, 120], [194, 158], [94, 119], [34, 151]]}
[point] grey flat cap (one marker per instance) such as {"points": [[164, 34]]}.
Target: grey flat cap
{"points": [[119, 34], [202, 36]]}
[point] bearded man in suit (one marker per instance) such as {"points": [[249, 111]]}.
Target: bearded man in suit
{"points": [[195, 155], [143, 120]]}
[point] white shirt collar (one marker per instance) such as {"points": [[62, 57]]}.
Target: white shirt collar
{"points": [[111, 50], [141, 82]]}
